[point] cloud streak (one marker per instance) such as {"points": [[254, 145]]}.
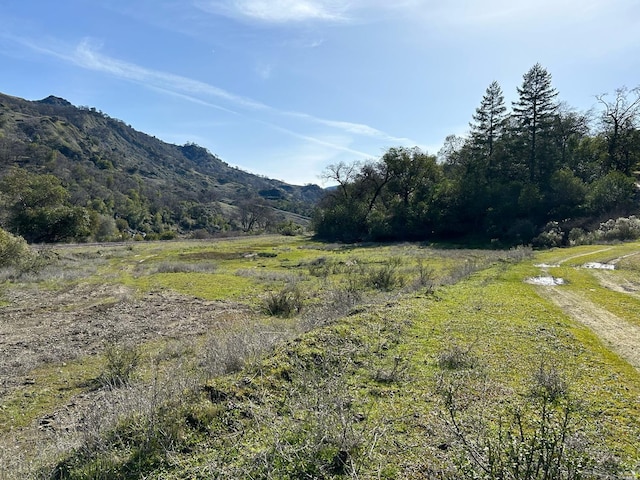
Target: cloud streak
{"points": [[87, 55], [277, 11]]}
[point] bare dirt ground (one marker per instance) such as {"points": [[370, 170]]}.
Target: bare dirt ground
{"points": [[42, 326], [621, 336]]}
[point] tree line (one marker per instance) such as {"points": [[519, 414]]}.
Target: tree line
{"points": [[515, 173]]}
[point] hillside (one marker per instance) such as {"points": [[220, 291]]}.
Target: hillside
{"points": [[114, 171]]}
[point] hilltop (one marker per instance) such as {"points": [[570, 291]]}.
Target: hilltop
{"points": [[115, 172]]}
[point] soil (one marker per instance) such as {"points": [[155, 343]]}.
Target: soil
{"points": [[621, 336], [44, 326]]}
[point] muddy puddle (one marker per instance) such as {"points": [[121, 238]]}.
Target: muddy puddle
{"points": [[546, 280], [599, 266]]}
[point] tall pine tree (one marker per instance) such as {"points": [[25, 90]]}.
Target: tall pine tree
{"points": [[489, 121], [534, 112]]}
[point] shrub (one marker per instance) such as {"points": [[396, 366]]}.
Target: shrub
{"points": [[184, 267], [121, 361], [383, 278], [285, 303], [426, 276], [577, 236], [14, 251], [290, 228], [620, 229], [168, 235], [536, 439], [455, 358], [551, 236]]}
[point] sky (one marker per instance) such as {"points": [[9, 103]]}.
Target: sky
{"points": [[284, 88]]}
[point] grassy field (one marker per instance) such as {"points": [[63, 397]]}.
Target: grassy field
{"points": [[279, 357]]}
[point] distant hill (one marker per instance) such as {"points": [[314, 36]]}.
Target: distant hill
{"points": [[114, 171]]}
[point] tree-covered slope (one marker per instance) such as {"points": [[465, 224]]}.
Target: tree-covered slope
{"points": [[127, 179]]}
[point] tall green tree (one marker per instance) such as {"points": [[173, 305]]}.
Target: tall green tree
{"points": [[534, 113], [569, 128], [489, 122], [412, 177]]}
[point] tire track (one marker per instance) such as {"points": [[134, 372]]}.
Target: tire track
{"points": [[621, 336]]}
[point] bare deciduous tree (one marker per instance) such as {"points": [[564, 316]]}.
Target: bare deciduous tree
{"points": [[620, 117]]}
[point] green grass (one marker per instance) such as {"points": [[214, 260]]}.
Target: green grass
{"points": [[201, 285], [384, 362], [45, 389], [367, 386]]}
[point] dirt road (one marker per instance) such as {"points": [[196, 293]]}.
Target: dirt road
{"points": [[621, 336]]}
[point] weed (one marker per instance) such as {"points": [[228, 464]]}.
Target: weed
{"points": [[269, 276], [383, 278], [393, 374], [455, 357], [184, 267], [426, 276], [461, 271], [537, 439], [285, 303], [121, 362]]}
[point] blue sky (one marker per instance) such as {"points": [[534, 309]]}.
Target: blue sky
{"points": [[284, 88]]}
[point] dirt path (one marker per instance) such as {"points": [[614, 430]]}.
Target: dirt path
{"points": [[622, 337], [619, 285], [583, 255]]}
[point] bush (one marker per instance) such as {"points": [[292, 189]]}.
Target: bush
{"points": [[577, 236], [285, 303], [290, 228], [14, 250], [121, 361], [620, 229], [552, 236], [383, 278], [455, 358], [538, 438]]}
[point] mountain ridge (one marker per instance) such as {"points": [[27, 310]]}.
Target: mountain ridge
{"points": [[106, 165]]}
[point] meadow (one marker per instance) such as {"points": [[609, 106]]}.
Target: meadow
{"points": [[281, 357]]}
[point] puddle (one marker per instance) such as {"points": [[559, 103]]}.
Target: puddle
{"points": [[547, 265], [600, 266], [545, 280]]}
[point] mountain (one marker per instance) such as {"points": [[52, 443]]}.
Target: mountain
{"points": [[114, 171]]}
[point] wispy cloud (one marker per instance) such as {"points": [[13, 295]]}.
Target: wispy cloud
{"points": [[264, 70], [277, 11], [87, 55], [354, 128]]}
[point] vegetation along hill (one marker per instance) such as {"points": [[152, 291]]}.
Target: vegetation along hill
{"points": [[74, 173]]}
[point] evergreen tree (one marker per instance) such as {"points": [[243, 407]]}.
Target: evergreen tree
{"points": [[534, 113], [489, 121]]}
